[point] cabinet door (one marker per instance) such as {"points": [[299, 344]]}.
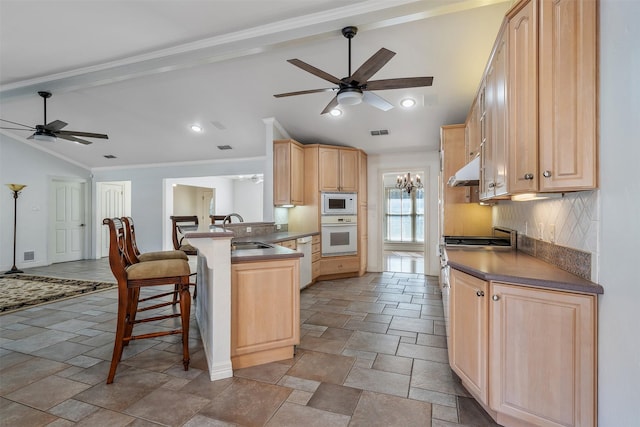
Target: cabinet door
{"points": [[297, 175], [542, 346], [329, 168], [281, 173], [362, 179], [523, 104], [568, 94], [499, 120], [349, 170], [469, 328]]}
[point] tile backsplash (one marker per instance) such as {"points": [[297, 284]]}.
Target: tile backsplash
{"points": [[572, 221]]}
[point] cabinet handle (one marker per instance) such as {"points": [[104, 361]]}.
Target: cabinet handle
{"points": [[528, 176], [546, 174], [491, 185], [480, 293], [495, 297]]}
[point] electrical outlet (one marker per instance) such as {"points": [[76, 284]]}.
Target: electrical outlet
{"points": [[248, 229], [552, 233], [278, 226], [541, 231]]}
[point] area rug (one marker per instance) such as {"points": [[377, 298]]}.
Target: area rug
{"points": [[19, 290]]}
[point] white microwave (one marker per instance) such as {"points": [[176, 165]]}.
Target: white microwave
{"points": [[339, 204]]}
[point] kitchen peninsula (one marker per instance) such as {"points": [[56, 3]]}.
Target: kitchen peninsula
{"points": [[247, 307]]}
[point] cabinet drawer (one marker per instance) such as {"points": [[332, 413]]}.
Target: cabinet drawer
{"points": [[315, 269], [291, 244], [337, 265], [315, 239], [315, 256], [315, 247]]}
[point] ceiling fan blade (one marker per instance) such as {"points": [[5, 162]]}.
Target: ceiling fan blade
{"points": [[376, 101], [74, 139], [30, 130], [372, 66], [85, 134], [315, 71], [55, 125], [331, 105], [399, 83], [303, 92], [19, 124]]}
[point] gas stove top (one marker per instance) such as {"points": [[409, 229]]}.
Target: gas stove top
{"points": [[476, 241], [502, 237]]}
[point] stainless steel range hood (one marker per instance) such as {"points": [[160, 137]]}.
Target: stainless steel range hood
{"points": [[468, 175]]}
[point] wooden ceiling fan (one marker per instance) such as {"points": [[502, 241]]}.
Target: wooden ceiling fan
{"points": [[356, 88]]}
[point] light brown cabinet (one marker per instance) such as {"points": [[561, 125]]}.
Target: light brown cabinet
{"points": [[459, 217], [338, 168], [315, 257], [528, 355], [288, 172], [493, 159], [469, 327], [363, 240], [568, 87], [265, 311], [472, 131], [542, 347], [523, 98]]}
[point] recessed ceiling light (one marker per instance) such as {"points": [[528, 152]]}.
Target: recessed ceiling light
{"points": [[336, 112], [196, 128], [408, 102]]}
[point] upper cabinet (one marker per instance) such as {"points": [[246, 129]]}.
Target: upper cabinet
{"points": [[568, 95], [493, 160], [537, 101], [288, 172], [338, 169], [523, 99]]}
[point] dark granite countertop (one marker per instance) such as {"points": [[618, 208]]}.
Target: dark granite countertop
{"points": [[517, 267], [278, 237]]}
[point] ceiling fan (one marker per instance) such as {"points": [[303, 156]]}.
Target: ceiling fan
{"points": [[51, 131], [356, 88]]}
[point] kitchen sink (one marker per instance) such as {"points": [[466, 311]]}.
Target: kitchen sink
{"points": [[236, 246]]}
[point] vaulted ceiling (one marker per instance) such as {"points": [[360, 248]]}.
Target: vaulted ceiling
{"points": [[144, 71]]}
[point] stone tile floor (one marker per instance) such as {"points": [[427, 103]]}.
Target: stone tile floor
{"points": [[372, 353]]}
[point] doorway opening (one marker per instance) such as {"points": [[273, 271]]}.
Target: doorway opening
{"points": [[403, 233]]}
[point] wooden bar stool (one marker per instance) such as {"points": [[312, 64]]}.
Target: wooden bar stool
{"points": [[135, 256], [131, 277]]}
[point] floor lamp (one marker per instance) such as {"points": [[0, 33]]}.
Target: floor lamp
{"points": [[16, 190]]}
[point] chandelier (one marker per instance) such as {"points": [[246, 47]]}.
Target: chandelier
{"points": [[406, 182]]}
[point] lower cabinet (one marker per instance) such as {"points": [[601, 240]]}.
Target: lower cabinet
{"points": [[469, 328], [528, 355], [337, 265], [315, 257], [265, 311]]}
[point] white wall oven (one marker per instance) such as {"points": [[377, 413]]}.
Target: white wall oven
{"points": [[339, 204], [339, 235]]}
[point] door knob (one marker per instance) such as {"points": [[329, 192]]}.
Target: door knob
{"points": [[480, 293], [528, 176], [546, 174], [495, 297]]}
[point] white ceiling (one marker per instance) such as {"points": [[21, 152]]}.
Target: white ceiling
{"points": [[143, 71]]}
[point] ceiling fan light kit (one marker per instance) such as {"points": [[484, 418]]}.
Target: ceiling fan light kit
{"points": [[356, 88], [350, 96]]}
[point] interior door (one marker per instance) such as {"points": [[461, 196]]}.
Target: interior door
{"points": [[112, 205], [69, 221]]}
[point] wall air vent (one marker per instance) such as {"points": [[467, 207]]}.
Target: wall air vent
{"points": [[219, 125], [109, 156], [379, 132], [224, 147]]}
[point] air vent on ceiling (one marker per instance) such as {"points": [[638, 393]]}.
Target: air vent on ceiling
{"points": [[109, 156], [379, 132], [224, 147]]}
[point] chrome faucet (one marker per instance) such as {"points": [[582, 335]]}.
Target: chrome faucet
{"points": [[227, 219]]}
